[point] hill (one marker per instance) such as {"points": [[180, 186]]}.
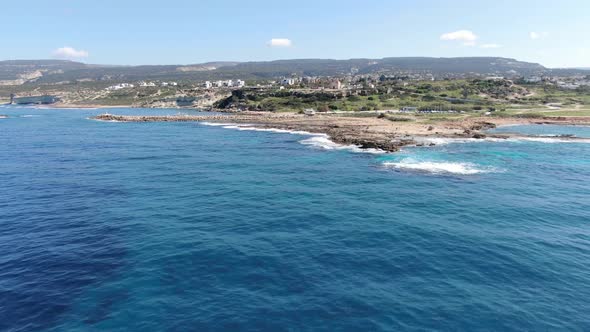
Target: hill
{"points": [[16, 72]]}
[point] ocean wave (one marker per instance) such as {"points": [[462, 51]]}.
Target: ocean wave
{"points": [[447, 140], [316, 140], [549, 140], [438, 167], [324, 142], [30, 116], [250, 127], [279, 131], [217, 124]]}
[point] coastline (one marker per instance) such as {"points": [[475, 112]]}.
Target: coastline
{"points": [[366, 133]]}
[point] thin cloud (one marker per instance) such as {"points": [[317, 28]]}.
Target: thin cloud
{"points": [[467, 37], [491, 46], [537, 35], [280, 42], [69, 53]]}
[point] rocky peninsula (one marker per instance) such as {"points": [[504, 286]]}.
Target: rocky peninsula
{"points": [[365, 132]]}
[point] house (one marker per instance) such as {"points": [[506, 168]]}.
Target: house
{"points": [[335, 85], [208, 85], [144, 84], [288, 81], [239, 83]]}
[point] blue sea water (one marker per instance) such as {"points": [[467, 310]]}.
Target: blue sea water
{"points": [[187, 227]]}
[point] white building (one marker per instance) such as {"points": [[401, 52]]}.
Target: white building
{"points": [[120, 86], [239, 83], [288, 81], [335, 85], [144, 84]]}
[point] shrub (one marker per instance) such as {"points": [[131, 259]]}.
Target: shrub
{"points": [[529, 116], [399, 119]]}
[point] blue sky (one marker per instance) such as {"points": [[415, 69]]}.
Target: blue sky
{"points": [[553, 33]]}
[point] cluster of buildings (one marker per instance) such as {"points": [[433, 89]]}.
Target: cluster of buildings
{"points": [[568, 83], [329, 83], [142, 84], [120, 86], [573, 84], [225, 84]]}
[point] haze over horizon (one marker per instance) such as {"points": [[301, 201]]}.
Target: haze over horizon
{"points": [[152, 33]]}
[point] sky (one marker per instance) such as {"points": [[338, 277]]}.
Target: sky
{"points": [[135, 32]]}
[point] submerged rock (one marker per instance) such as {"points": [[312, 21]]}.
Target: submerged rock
{"points": [[478, 136]]}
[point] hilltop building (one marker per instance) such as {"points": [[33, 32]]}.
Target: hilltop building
{"points": [[335, 85], [288, 81]]}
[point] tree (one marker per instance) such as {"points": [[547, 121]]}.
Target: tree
{"points": [[324, 108]]}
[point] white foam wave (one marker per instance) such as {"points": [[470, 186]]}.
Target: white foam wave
{"points": [[323, 142], [549, 140], [447, 140], [250, 127], [272, 130], [216, 124], [29, 116], [438, 167]]}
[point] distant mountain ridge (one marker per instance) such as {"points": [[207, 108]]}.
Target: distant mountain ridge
{"points": [[62, 71]]}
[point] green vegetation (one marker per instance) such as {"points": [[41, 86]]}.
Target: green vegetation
{"points": [[456, 95]]}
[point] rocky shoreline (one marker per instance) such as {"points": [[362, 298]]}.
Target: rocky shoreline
{"points": [[366, 133]]}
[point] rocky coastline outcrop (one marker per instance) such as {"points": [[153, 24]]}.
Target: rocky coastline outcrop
{"points": [[366, 133]]}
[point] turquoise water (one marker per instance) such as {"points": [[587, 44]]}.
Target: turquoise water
{"points": [[546, 130], [188, 227]]}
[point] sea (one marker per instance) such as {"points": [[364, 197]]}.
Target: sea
{"points": [[108, 226]]}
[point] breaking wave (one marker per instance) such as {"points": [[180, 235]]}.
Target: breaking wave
{"points": [[549, 140], [323, 142], [540, 139], [250, 127], [217, 124], [438, 167]]}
